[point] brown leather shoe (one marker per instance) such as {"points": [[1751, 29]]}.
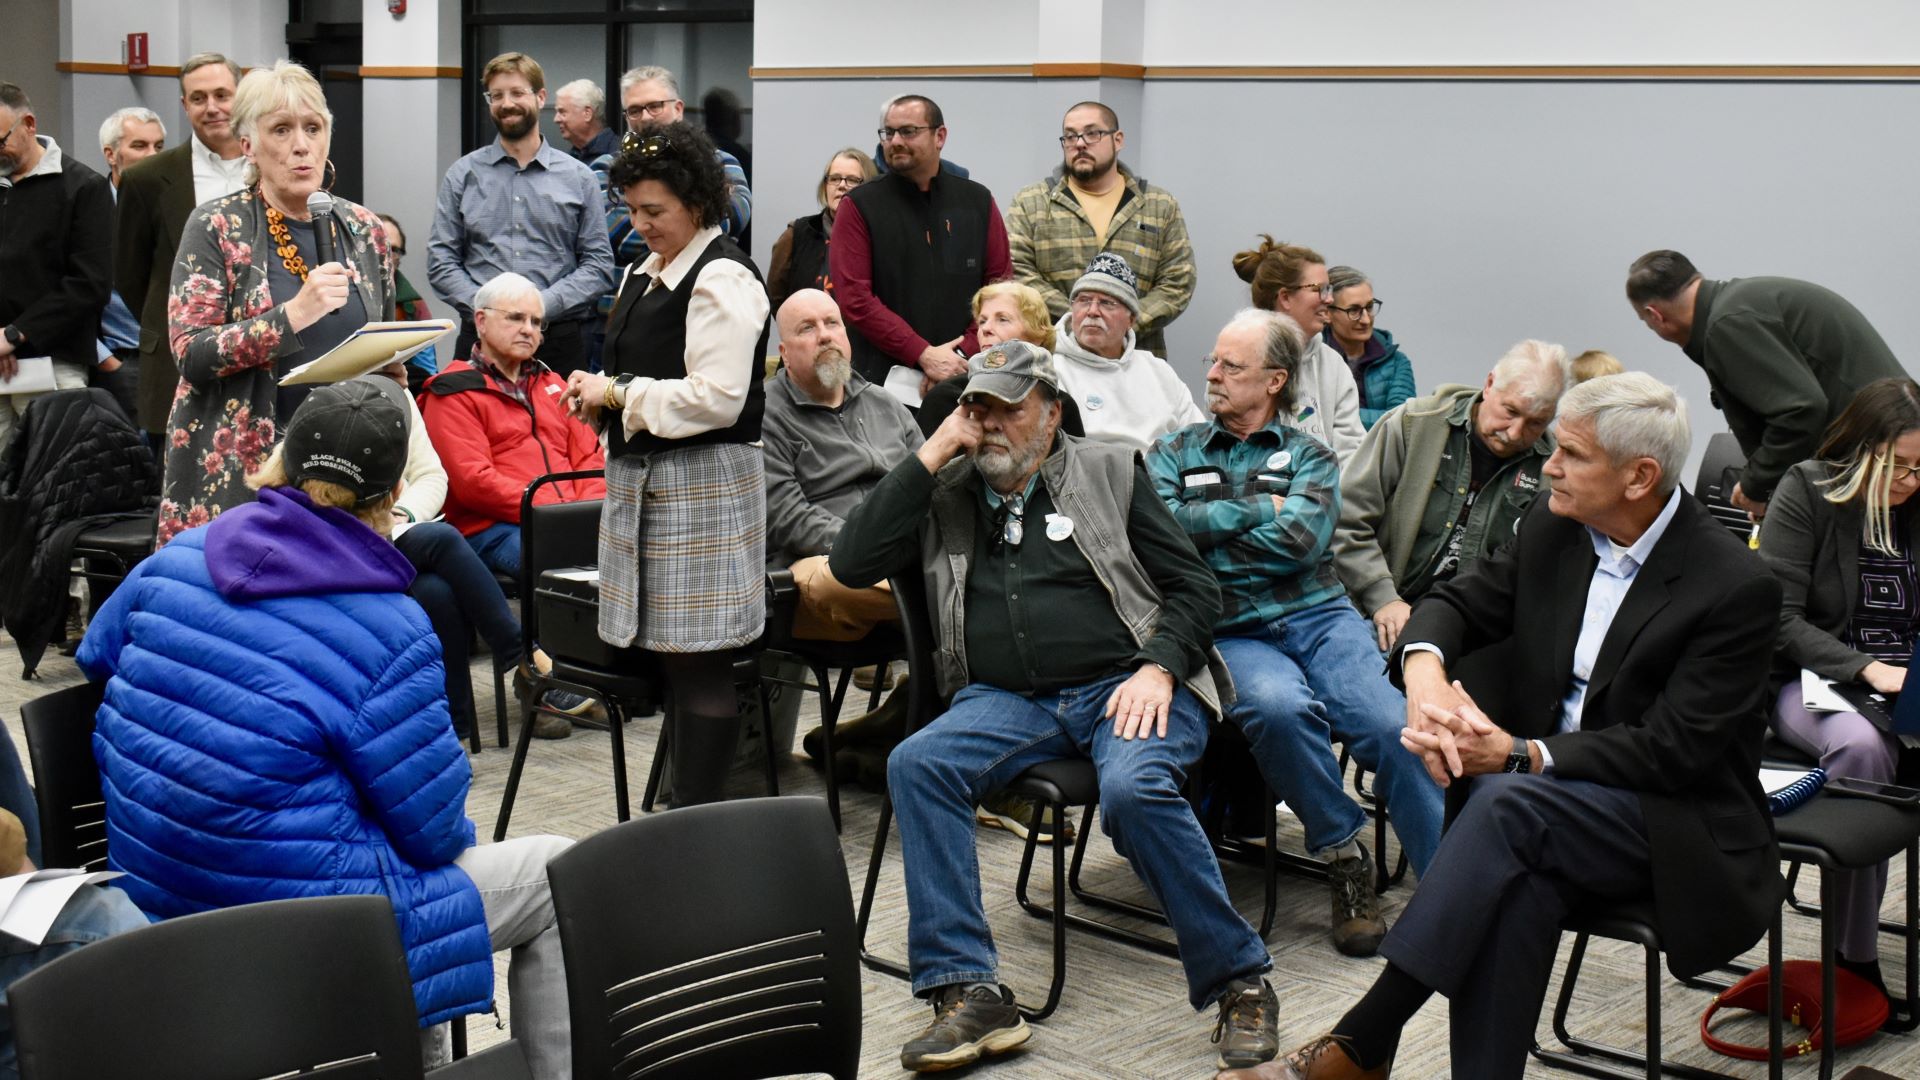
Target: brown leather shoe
{"points": [[1321, 1059]]}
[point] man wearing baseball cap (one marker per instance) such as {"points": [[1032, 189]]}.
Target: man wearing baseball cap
{"points": [[1080, 617], [1127, 395], [270, 683]]}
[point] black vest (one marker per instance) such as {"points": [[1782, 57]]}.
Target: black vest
{"points": [[647, 337], [929, 256], [807, 261]]}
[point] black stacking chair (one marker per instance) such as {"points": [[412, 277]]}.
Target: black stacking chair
{"points": [[711, 943], [1719, 471], [317, 987], [503, 1061], [73, 812]]}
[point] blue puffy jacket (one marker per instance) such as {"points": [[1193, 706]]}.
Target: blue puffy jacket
{"points": [[276, 726]]}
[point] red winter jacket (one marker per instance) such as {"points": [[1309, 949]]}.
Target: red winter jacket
{"points": [[493, 447]]}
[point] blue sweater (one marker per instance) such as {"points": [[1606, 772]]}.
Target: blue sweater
{"points": [[276, 726]]}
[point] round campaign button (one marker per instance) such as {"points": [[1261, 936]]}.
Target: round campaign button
{"points": [[1279, 460], [1059, 527]]}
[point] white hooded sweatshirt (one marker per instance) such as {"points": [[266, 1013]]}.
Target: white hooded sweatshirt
{"points": [[1130, 401]]}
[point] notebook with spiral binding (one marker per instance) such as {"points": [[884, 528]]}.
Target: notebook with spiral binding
{"points": [[1788, 788]]}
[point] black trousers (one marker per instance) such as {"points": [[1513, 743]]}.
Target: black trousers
{"points": [[123, 384], [1484, 925], [563, 348]]}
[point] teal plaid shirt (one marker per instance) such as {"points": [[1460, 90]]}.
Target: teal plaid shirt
{"points": [[1271, 561]]}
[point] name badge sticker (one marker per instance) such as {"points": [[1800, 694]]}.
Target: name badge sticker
{"points": [[1201, 479], [1280, 459], [1059, 527]]}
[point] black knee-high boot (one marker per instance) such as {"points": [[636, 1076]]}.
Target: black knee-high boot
{"points": [[702, 749]]}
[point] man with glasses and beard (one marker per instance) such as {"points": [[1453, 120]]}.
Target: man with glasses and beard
{"points": [[1093, 204], [829, 436], [910, 249], [1078, 621], [524, 206]]}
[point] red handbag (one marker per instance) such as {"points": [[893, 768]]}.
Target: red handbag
{"points": [[1862, 1008]]}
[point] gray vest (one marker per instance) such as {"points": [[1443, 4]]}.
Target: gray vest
{"points": [[1090, 482]]}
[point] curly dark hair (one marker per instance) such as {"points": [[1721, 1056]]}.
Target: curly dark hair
{"points": [[680, 156]]}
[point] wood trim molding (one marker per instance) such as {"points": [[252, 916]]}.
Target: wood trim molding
{"points": [[370, 71], [1517, 72], [83, 67]]}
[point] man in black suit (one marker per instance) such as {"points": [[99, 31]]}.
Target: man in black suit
{"points": [[1626, 768], [156, 197]]}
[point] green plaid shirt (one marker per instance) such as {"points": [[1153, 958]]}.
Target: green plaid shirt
{"points": [[1271, 560]]}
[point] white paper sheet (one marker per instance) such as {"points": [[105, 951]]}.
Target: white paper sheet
{"points": [[40, 897], [34, 377], [1776, 781], [904, 383], [1818, 695]]}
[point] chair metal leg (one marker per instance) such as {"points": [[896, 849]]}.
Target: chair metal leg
{"points": [[873, 961], [513, 774], [499, 709], [659, 766], [1591, 1058], [1058, 913], [457, 1032], [766, 743], [829, 724], [616, 727]]}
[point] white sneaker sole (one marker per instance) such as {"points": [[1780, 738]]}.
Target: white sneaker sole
{"points": [[995, 1042]]}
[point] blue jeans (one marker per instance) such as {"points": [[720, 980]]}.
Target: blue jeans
{"points": [[988, 737], [459, 595], [95, 912], [1313, 677], [498, 545]]}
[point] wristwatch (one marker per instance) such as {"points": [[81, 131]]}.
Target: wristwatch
{"points": [[14, 336], [1519, 759]]}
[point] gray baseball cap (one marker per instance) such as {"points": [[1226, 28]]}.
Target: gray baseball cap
{"points": [[352, 433], [1009, 370]]}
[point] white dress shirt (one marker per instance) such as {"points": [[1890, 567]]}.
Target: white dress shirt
{"points": [[213, 176], [725, 315]]}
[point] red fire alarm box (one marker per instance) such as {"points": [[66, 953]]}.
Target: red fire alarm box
{"points": [[136, 52]]}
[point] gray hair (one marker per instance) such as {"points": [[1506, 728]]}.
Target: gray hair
{"points": [[1536, 372], [1634, 415], [1283, 347], [650, 73], [586, 93], [114, 128], [504, 286], [13, 97], [1345, 277], [208, 59]]}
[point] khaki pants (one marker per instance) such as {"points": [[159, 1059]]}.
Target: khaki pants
{"points": [[830, 611]]}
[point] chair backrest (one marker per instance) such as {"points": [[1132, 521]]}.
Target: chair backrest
{"points": [[553, 537], [502, 1061], [711, 942], [1719, 471], [316, 986], [924, 702], [66, 779]]}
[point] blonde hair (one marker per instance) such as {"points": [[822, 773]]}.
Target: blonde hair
{"points": [[868, 170], [1594, 363], [1035, 321], [377, 515], [284, 87], [1858, 450]]}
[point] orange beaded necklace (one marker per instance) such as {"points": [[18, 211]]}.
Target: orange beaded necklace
{"points": [[284, 245]]}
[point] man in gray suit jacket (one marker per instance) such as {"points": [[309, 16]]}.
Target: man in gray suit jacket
{"points": [[156, 196]]}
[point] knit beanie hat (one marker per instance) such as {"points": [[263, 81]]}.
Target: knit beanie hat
{"points": [[1109, 273]]}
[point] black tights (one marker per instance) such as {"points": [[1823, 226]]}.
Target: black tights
{"points": [[705, 714]]}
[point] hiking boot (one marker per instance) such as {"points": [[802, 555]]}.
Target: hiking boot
{"points": [[969, 1022], [1357, 925], [1004, 810], [548, 726], [865, 677], [1249, 1027]]}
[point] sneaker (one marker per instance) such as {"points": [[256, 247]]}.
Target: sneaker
{"points": [[1357, 924], [865, 677], [968, 1023], [1248, 1031], [1004, 810], [572, 704]]}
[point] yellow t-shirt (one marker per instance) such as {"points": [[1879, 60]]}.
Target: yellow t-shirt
{"points": [[1100, 208]]}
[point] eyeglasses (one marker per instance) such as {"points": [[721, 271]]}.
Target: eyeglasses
{"points": [[495, 97], [399, 250], [908, 133], [845, 181], [1899, 471], [518, 318], [1227, 367], [650, 108], [1372, 307], [1092, 137], [1009, 522], [1096, 302], [1326, 291], [647, 145], [9, 135]]}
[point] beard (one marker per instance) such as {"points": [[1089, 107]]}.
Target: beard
{"points": [[832, 368], [513, 123], [1011, 463], [1085, 169]]}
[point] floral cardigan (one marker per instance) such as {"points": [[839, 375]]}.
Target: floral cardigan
{"points": [[227, 333]]}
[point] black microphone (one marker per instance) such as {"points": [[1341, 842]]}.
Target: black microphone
{"points": [[320, 208]]}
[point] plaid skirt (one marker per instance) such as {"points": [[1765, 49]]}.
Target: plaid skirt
{"points": [[683, 536]]}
